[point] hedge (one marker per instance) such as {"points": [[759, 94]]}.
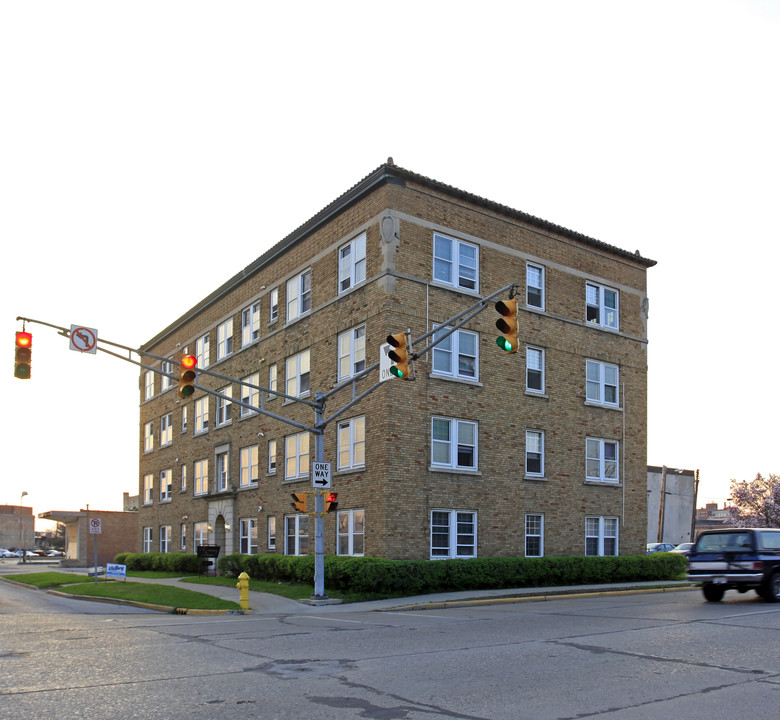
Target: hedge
{"points": [[168, 562]]}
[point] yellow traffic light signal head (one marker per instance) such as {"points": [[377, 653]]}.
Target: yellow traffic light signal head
{"points": [[187, 375], [299, 501], [23, 355], [399, 355], [507, 324]]}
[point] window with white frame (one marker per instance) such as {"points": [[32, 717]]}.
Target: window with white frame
{"points": [[148, 489], [534, 369], [601, 460], [455, 262], [224, 406], [601, 306], [200, 534], [225, 339], [250, 324], [201, 415], [271, 532], [601, 383], [297, 374], [149, 436], [166, 429], [352, 352], [352, 263], [200, 471], [148, 538], [273, 307], [453, 534], [271, 456], [273, 379], [250, 393], [202, 351], [248, 465], [534, 453], [298, 296], [184, 477], [296, 535], [454, 443], [457, 354], [350, 532], [183, 537], [222, 462], [351, 437], [165, 538], [534, 286], [296, 456], [601, 536], [184, 418], [166, 366], [148, 385], [247, 536], [534, 535], [166, 485]]}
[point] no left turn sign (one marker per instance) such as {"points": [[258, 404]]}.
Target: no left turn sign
{"points": [[83, 339]]}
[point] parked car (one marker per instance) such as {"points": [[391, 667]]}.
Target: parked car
{"points": [[737, 558], [659, 547], [55, 553], [27, 553], [684, 548], [5, 553]]}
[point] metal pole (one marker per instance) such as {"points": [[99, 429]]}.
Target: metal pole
{"points": [[319, 508]]}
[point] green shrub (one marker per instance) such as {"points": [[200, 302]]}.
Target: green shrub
{"points": [[184, 563]]}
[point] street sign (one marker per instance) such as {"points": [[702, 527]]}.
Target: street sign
{"points": [[83, 339], [95, 526], [320, 475], [385, 363]]}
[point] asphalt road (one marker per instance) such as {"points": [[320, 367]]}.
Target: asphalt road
{"points": [[623, 657]]}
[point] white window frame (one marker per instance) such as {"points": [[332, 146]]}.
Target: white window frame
{"points": [[249, 465], [165, 538], [534, 531], [351, 352], [166, 368], [602, 460], [148, 384], [296, 534], [250, 324], [273, 380], [200, 477], [271, 535], [602, 306], [166, 485], [202, 353], [298, 296], [225, 339], [534, 286], [250, 394], [298, 374], [601, 532], [183, 537], [184, 419], [452, 443], [148, 536], [296, 456], [201, 415], [272, 459], [351, 443], [273, 307], [184, 477], [446, 541], [149, 436], [450, 354], [166, 429], [351, 532], [200, 535], [534, 451], [602, 380], [247, 536], [148, 489], [222, 468], [449, 266], [224, 407], [352, 263], [531, 369]]}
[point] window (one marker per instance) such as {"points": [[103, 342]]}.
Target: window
{"points": [[271, 532], [222, 469], [250, 324], [148, 539], [271, 456], [456, 355], [247, 536], [148, 385], [297, 374], [184, 477], [250, 394], [534, 286], [149, 437], [200, 534], [224, 406], [601, 382], [534, 453], [454, 443], [166, 484], [165, 538], [352, 263], [273, 309], [201, 415], [534, 370], [296, 456], [248, 466], [352, 443], [455, 262], [166, 366], [200, 470], [352, 352], [601, 306], [183, 537], [225, 339], [453, 534], [184, 418], [534, 535], [298, 296], [296, 535], [166, 429], [601, 536], [148, 489], [273, 379], [350, 532], [601, 460], [202, 351]]}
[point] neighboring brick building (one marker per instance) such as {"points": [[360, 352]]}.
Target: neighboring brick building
{"points": [[542, 452]]}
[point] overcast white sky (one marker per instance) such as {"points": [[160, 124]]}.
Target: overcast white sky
{"points": [[130, 131]]}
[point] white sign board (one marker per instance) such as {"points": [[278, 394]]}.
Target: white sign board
{"points": [[95, 526], [320, 475], [83, 339], [114, 570], [385, 363]]}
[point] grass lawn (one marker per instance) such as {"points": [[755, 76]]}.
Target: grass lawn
{"points": [[154, 594], [47, 579]]}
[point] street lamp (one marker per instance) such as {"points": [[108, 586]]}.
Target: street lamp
{"points": [[20, 524]]}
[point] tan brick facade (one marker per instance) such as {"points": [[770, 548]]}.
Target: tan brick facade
{"points": [[399, 486]]}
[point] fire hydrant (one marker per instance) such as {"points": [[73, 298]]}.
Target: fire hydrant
{"points": [[243, 586]]}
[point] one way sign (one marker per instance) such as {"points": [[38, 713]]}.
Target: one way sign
{"points": [[320, 475]]}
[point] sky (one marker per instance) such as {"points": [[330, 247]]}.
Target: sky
{"points": [[151, 150]]}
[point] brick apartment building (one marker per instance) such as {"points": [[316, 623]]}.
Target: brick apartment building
{"points": [[542, 452]]}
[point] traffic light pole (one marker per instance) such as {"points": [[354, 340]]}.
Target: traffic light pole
{"points": [[319, 508]]}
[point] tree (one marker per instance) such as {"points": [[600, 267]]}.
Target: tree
{"points": [[755, 503]]}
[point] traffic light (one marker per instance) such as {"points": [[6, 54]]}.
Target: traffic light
{"points": [[507, 324], [299, 501], [23, 355], [399, 355], [187, 375], [331, 502]]}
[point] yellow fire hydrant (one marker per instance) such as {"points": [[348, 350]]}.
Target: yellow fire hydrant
{"points": [[243, 586]]}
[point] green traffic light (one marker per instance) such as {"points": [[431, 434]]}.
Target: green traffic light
{"points": [[503, 343], [395, 370]]}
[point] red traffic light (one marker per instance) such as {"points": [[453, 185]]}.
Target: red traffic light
{"points": [[332, 502], [23, 355], [187, 375]]}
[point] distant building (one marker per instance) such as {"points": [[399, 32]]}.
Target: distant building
{"points": [[17, 527], [671, 499], [710, 516]]}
